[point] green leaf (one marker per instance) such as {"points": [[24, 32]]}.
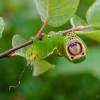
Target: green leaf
{"points": [[95, 35], [17, 40], [77, 21], [59, 11], [93, 14], [1, 26], [41, 67]]}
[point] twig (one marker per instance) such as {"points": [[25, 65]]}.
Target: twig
{"points": [[39, 35], [8, 52], [79, 28]]}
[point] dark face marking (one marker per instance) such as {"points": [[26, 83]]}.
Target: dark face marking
{"points": [[73, 44], [83, 53]]}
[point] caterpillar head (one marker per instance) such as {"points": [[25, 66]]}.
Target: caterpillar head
{"points": [[75, 50]]}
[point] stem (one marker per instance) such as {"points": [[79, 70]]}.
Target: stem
{"points": [[8, 53], [79, 28], [39, 35]]}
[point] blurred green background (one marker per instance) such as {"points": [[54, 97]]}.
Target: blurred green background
{"points": [[65, 82]]}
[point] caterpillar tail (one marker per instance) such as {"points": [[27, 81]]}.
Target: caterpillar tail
{"points": [[19, 78]]}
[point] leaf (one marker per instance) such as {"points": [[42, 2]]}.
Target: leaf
{"points": [[95, 35], [77, 21], [93, 14], [59, 11], [17, 40], [41, 67], [90, 33], [1, 26]]}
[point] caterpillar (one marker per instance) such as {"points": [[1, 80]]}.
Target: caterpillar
{"points": [[70, 46]]}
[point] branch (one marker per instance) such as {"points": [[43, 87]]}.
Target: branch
{"points": [[8, 53], [79, 28], [39, 35]]}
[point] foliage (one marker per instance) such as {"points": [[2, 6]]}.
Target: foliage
{"points": [[41, 66], [1, 26], [17, 40], [56, 10], [66, 81], [93, 14]]}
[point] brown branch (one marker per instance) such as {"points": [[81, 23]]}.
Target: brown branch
{"points": [[79, 28], [10, 52], [39, 35]]}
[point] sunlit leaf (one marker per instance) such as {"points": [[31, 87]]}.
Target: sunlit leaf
{"points": [[77, 21], [90, 33], [95, 35], [59, 11], [41, 67], [93, 14], [1, 26], [17, 40]]}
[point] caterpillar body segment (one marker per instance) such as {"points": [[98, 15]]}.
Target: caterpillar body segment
{"points": [[70, 46], [40, 49]]}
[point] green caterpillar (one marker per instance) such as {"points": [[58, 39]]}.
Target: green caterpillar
{"points": [[70, 46]]}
